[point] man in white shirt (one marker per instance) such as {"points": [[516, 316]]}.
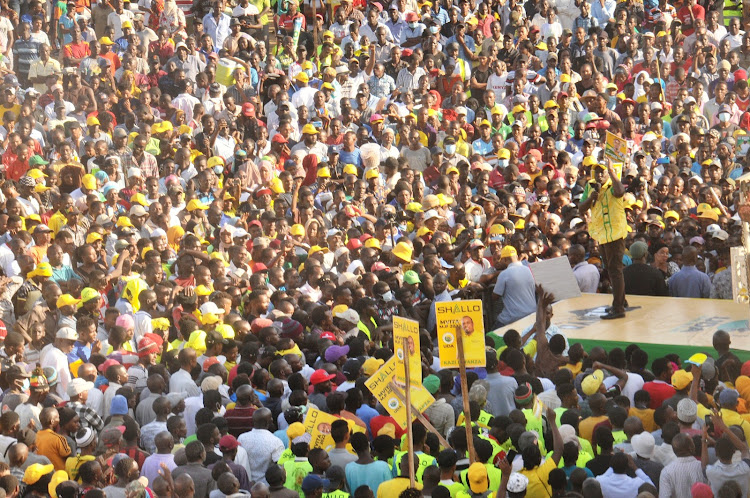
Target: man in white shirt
{"points": [[57, 357], [182, 381], [586, 274]]}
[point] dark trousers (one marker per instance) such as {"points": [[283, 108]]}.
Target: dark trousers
{"points": [[612, 254]]}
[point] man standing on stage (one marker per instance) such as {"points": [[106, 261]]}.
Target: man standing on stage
{"points": [[608, 226]]}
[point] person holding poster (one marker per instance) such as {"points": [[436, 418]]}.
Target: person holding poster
{"points": [[609, 227]]}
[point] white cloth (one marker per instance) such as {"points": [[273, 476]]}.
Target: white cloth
{"points": [[59, 361], [262, 448]]}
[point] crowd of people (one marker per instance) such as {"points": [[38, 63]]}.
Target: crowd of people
{"points": [[210, 213]]}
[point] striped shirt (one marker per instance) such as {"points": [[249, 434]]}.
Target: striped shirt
{"points": [[28, 52], [679, 476]]}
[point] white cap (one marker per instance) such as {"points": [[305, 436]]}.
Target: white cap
{"points": [[430, 214], [460, 110], [349, 315], [77, 386], [67, 333], [135, 172], [210, 307]]}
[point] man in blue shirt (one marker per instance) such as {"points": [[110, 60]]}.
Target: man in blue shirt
{"points": [[515, 285], [689, 281], [483, 144]]}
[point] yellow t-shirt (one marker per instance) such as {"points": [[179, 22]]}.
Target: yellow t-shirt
{"points": [[538, 477], [394, 487]]}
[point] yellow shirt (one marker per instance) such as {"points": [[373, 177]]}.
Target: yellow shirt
{"points": [[538, 477], [394, 487], [586, 427], [608, 220]]}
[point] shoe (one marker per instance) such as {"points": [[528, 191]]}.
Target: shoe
{"points": [[608, 309], [612, 315]]}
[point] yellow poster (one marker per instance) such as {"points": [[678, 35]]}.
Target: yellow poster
{"points": [[380, 386], [616, 148], [318, 424], [407, 330], [466, 315]]}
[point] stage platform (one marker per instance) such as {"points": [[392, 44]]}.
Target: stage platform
{"points": [[660, 325]]}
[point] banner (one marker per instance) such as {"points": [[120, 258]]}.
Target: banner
{"points": [[318, 424], [468, 316], [380, 386], [405, 329]]}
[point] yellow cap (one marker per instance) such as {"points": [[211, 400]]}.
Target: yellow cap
{"points": [[138, 198], [518, 108], [509, 251], [324, 172], [372, 173], [350, 169], [451, 169], [564, 78], [215, 161], [484, 122], [302, 77], [124, 221], [309, 129], [92, 121], [35, 173], [202, 290], [67, 300], [106, 40], [672, 214], [93, 237], [551, 104], [196, 204], [374, 243], [297, 230], [503, 154]]}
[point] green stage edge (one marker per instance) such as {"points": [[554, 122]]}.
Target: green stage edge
{"points": [[654, 350]]}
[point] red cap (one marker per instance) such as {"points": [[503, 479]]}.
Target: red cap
{"points": [[279, 139], [740, 74], [3, 330], [353, 244], [407, 52], [255, 223], [248, 109], [328, 335], [212, 360], [259, 323], [262, 191], [536, 153], [228, 442], [159, 340], [379, 266], [365, 237], [319, 376], [411, 17], [104, 366], [258, 267], [147, 346]]}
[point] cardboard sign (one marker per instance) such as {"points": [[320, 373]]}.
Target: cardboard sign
{"points": [[556, 276], [380, 386], [616, 148], [405, 329], [318, 424], [466, 315]]}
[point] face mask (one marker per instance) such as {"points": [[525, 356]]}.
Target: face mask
{"points": [[560, 145], [412, 25], [218, 169], [450, 149], [387, 296], [433, 30], [502, 163], [724, 117]]}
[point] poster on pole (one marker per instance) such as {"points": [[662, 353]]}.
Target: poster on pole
{"points": [[466, 316], [407, 331], [380, 386], [318, 424]]}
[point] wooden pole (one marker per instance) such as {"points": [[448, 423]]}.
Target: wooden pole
{"points": [[465, 392], [314, 4], [420, 417], [409, 432]]}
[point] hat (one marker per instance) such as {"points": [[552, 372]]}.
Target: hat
{"points": [[67, 333], [411, 277], [591, 383], [137, 210], [431, 383], [309, 129], [311, 482], [638, 250], [105, 40], [228, 443], [643, 444], [478, 479], [403, 251], [147, 346], [319, 376], [248, 109], [517, 483], [195, 204], [15, 372], [294, 430], [112, 435], [77, 386], [728, 397], [508, 252], [93, 237], [36, 471], [86, 435], [333, 353], [371, 365], [352, 367], [211, 383], [524, 394], [119, 405], [687, 410]]}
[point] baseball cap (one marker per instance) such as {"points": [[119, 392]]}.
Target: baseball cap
{"points": [[311, 482], [228, 442], [319, 376], [591, 383], [371, 365], [67, 333], [333, 353], [478, 479]]}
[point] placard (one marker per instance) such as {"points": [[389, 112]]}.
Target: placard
{"points": [[556, 276], [616, 148], [466, 315], [380, 386], [408, 330], [318, 424]]}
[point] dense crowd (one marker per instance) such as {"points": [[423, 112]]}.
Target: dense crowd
{"points": [[211, 212]]}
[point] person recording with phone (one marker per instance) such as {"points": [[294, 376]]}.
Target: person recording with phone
{"points": [[609, 227]]}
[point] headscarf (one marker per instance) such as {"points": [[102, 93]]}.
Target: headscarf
{"points": [[174, 237], [310, 163], [132, 292]]}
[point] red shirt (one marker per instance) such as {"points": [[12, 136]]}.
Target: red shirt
{"points": [[77, 50], [286, 22], [114, 61], [659, 391], [16, 169], [684, 15]]}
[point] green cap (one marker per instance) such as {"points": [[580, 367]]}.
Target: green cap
{"points": [[37, 160], [431, 383], [411, 277]]}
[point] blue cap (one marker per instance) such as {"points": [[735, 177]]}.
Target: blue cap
{"points": [[119, 405], [334, 149], [311, 482], [662, 160]]}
